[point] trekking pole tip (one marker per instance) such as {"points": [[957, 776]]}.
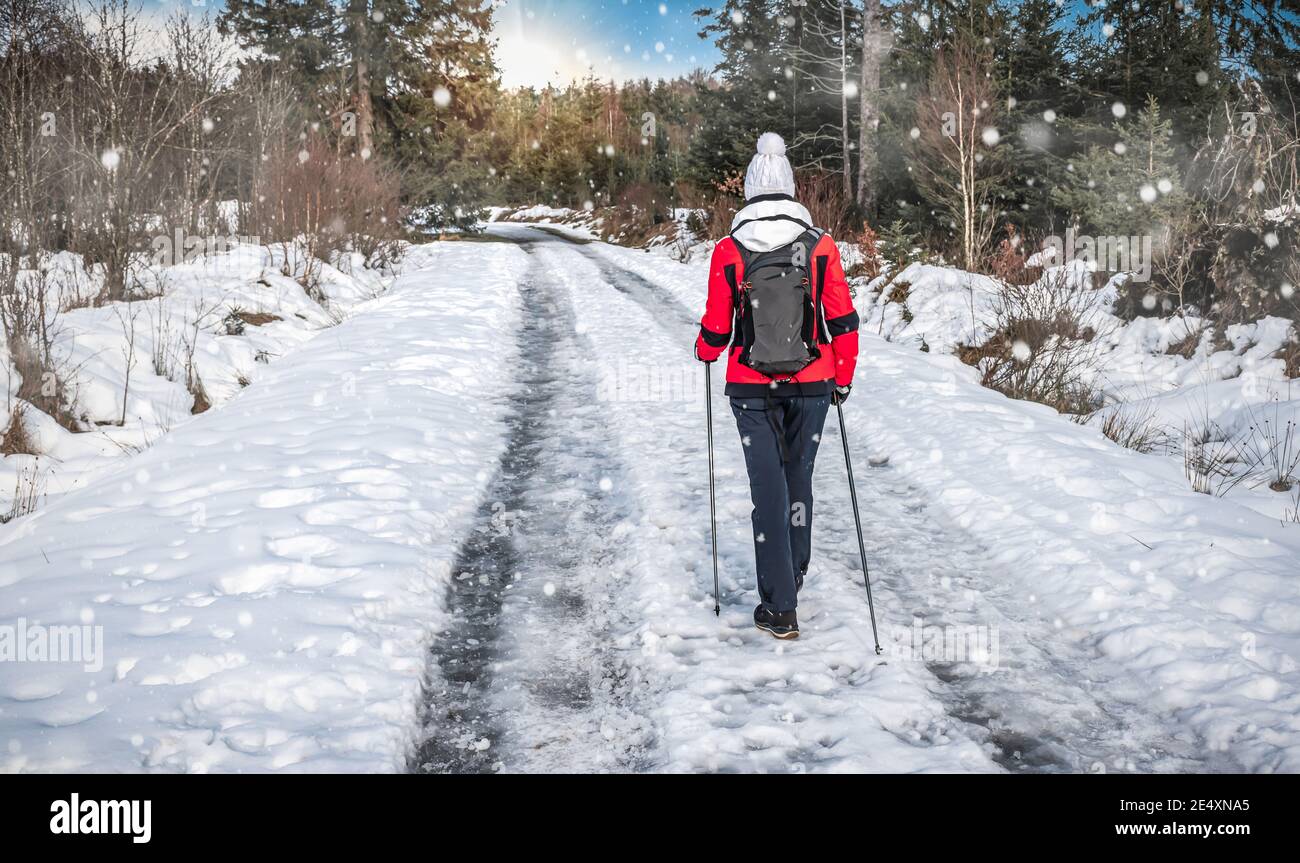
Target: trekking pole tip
{"points": [[717, 611], [879, 650]]}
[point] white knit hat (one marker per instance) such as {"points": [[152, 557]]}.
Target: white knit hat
{"points": [[769, 171]]}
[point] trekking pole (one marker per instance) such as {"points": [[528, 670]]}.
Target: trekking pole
{"points": [[713, 511], [857, 519]]}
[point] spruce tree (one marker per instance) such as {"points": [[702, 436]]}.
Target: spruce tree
{"points": [[1132, 187]]}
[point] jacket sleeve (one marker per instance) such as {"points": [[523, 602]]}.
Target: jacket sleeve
{"points": [[840, 315], [715, 326]]}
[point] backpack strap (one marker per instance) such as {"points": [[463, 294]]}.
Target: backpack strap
{"points": [[822, 261], [733, 282]]}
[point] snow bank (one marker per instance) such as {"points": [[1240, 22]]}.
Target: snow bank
{"points": [[266, 578], [1223, 388], [229, 315]]}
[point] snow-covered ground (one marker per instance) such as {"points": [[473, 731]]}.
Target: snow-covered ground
{"points": [[266, 577], [493, 479], [1231, 390]]}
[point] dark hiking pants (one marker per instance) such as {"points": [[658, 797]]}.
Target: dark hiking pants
{"points": [[779, 435]]}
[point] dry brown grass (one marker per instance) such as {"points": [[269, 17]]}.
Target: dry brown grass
{"points": [[29, 488], [200, 395], [899, 293], [630, 225], [1135, 430], [1290, 355], [17, 439], [256, 319], [1187, 345]]}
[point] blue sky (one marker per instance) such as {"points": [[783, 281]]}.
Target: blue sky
{"points": [[555, 40], [559, 40]]}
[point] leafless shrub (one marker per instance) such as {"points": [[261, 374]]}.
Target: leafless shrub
{"points": [[1045, 346], [873, 260], [1010, 262], [29, 488], [199, 315], [823, 195], [31, 326], [717, 206], [164, 342], [126, 318], [133, 117], [313, 203]]}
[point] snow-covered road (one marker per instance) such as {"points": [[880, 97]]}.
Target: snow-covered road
{"points": [[494, 479]]}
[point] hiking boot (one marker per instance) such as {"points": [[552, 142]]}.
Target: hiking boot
{"points": [[781, 624]]}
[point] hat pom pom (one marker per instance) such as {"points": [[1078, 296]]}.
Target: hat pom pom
{"points": [[771, 144]]}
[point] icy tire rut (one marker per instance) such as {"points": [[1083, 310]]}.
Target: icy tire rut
{"points": [[525, 680]]}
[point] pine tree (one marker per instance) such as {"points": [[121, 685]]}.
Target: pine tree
{"points": [[1131, 188], [1032, 58], [1155, 49], [446, 86], [755, 94], [303, 35]]}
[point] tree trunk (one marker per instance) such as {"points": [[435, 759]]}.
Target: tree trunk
{"points": [[364, 108], [868, 111], [844, 106]]}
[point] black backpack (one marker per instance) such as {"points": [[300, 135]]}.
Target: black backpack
{"points": [[778, 307]]}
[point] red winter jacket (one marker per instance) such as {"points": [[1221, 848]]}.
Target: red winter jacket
{"points": [[838, 341]]}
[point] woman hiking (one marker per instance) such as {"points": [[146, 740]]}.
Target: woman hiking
{"points": [[778, 296]]}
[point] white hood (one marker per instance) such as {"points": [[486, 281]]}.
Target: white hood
{"points": [[763, 236]]}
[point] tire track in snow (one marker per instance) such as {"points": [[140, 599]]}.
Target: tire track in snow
{"points": [[524, 679]]}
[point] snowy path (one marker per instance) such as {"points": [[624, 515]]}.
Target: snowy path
{"points": [[1036, 713], [467, 530]]}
